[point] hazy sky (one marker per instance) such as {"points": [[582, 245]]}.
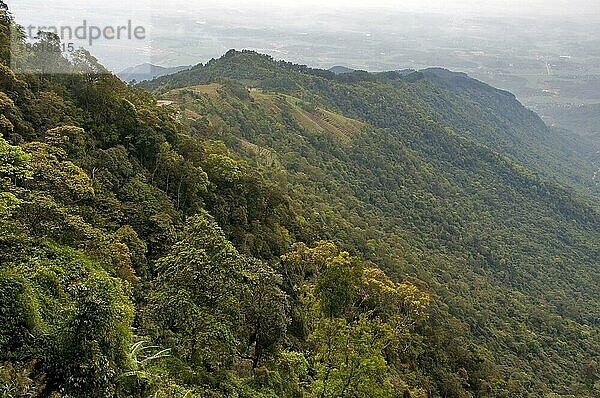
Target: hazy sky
{"points": [[260, 18], [479, 7], [530, 7]]}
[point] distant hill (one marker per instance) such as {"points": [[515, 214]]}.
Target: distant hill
{"points": [[147, 71], [338, 70]]}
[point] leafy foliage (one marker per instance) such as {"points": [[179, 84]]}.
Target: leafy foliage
{"points": [[286, 232]]}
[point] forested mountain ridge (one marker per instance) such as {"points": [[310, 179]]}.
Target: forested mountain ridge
{"points": [[232, 244], [405, 177], [476, 110]]}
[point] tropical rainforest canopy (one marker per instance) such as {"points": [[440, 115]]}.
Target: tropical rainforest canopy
{"points": [[282, 231]]}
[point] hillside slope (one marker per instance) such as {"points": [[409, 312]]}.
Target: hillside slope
{"points": [[430, 187], [491, 117]]}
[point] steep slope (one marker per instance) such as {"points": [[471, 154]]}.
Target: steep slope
{"points": [[497, 120], [430, 187]]}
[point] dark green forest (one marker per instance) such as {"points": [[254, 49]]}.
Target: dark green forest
{"points": [[282, 231]]}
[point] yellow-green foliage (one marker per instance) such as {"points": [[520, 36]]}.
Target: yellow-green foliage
{"points": [[15, 164]]}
